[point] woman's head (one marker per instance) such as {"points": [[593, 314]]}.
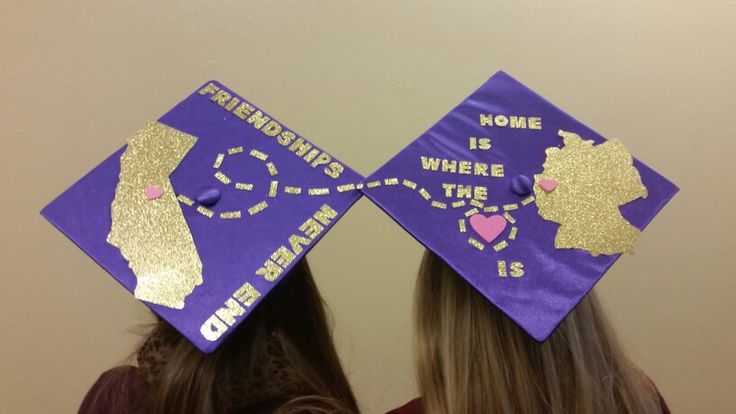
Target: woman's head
{"points": [[473, 359], [282, 354]]}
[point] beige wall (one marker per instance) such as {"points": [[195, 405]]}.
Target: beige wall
{"points": [[362, 80]]}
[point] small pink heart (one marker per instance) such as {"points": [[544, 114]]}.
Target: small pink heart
{"points": [[548, 184], [488, 227], [153, 192]]}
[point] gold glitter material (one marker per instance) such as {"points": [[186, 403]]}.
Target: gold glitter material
{"points": [[409, 184], [373, 184], [471, 212], [273, 189], [258, 154], [424, 193], [292, 190], [527, 201], [490, 209], [500, 245], [475, 243], [437, 204], [230, 215], [476, 203], [345, 187], [501, 264], [359, 186], [218, 161], [205, 211], [318, 191], [185, 200], [222, 178], [593, 182], [243, 186], [271, 168], [391, 181], [258, 208], [458, 204], [461, 225], [247, 294], [509, 217], [512, 234], [510, 207], [235, 150], [152, 234]]}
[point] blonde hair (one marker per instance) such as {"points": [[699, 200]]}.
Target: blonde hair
{"points": [[472, 359]]}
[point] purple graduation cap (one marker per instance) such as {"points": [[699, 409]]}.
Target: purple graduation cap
{"points": [[526, 203], [204, 211]]}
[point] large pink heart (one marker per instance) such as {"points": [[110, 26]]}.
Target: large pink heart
{"points": [[488, 227]]}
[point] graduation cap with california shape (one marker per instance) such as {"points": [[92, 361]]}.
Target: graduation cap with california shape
{"points": [[204, 211], [527, 204]]}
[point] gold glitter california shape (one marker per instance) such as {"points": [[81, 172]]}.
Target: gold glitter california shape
{"points": [[593, 182], [152, 234]]}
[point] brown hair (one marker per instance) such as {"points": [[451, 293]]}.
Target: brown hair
{"points": [[472, 359], [293, 314]]}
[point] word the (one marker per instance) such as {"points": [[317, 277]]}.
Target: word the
{"points": [[476, 192]]}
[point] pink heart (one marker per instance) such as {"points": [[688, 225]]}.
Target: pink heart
{"points": [[153, 192], [548, 184], [488, 227]]}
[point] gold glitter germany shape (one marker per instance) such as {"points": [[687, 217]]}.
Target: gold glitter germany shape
{"points": [[593, 182], [153, 234]]}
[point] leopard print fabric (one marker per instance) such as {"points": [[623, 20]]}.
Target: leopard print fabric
{"points": [[272, 380]]}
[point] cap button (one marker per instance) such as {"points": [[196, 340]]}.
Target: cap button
{"points": [[521, 185], [209, 196]]}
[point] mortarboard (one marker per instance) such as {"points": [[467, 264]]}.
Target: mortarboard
{"points": [[204, 211], [527, 204]]}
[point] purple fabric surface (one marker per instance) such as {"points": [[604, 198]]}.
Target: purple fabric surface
{"points": [[555, 280], [230, 250]]}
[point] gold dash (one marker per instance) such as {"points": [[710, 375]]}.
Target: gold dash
{"points": [[359, 186], [461, 224], [458, 204], [424, 193], [409, 184], [391, 181], [512, 234], [235, 150], [345, 187], [218, 161], [491, 209], [500, 245], [318, 191], [373, 184], [243, 186], [476, 203], [509, 217], [185, 200], [273, 189], [222, 178], [272, 168], [258, 208], [205, 211], [509, 207], [471, 212], [437, 204], [258, 154], [228, 215], [292, 190], [527, 200], [475, 243]]}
